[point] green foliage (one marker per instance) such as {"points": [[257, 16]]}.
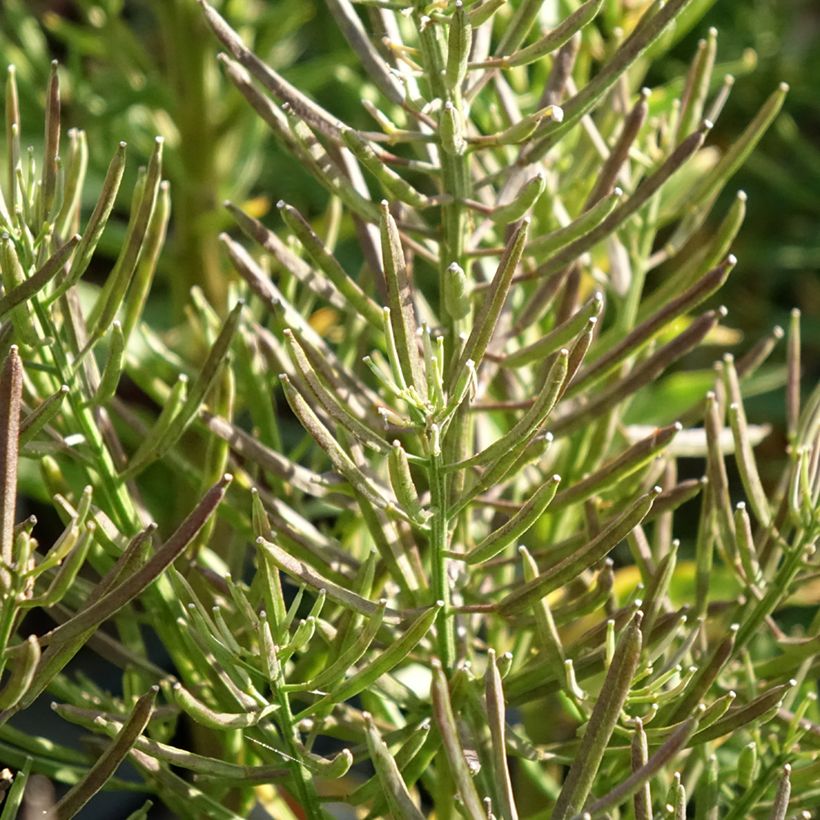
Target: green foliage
{"points": [[409, 490]]}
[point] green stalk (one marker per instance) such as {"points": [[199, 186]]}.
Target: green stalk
{"points": [[439, 544]]}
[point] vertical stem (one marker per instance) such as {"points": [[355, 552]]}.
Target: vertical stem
{"points": [[124, 514], [308, 797], [439, 536], [196, 188]]}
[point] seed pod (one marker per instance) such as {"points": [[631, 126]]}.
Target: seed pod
{"points": [[392, 183], [400, 803], [205, 716], [527, 196], [271, 585], [583, 558], [448, 731], [312, 578], [760, 710], [450, 130], [67, 220], [747, 765], [549, 244], [745, 545], [464, 390], [708, 792], [784, 790], [22, 673], [525, 518], [558, 336], [611, 699], [113, 366], [640, 336], [556, 38], [323, 437], [456, 294], [496, 714], [717, 709], [96, 222], [737, 153], [656, 591], [400, 298], [22, 316], [703, 259], [544, 622], [330, 676], [402, 481], [640, 756], [697, 84], [11, 388], [113, 294], [706, 676], [14, 798], [51, 150], [485, 323], [43, 415], [148, 260], [630, 50], [70, 568], [204, 380], [367, 674], [747, 465], [337, 410], [99, 774], [481, 13], [622, 466], [35, 283], [170, 410], [410, 753], [459, 40], [643, 770]]}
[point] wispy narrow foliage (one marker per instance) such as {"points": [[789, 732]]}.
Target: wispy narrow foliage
{"points": [[426, 479]]}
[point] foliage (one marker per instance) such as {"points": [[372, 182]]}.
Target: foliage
{"points": [[431, 457]]}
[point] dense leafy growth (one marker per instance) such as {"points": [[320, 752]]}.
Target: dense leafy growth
{"points": [[431, 453]]}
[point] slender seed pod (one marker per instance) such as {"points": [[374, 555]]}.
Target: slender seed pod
{"points": [[569, 568], [445, 719], [529, 193], [781, 800], [217, 720], [113, 366], [22, 673], [601, 723], [104, 768], [402, 481], [525, 518], [451, 130], [747, 765], [380, 665], [36, 283], [456, 295], [459, 40], [22, 316], [708, 792], [400, 803], [11, 387], [393, 183]]}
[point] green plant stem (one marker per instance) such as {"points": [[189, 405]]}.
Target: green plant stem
{"points": [[116, 493], [308, 797], [439, 533], [196, 194]]}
